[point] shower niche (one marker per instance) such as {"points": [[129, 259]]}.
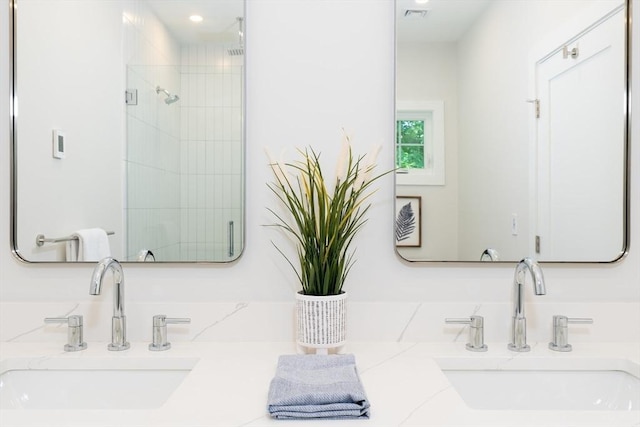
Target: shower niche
{"points": [[150, 95]]}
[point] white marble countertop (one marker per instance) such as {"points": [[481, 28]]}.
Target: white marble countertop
{"points": [[229, 382]]}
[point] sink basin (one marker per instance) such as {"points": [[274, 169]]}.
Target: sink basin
{"points": [[91, 383], [534, 384]]}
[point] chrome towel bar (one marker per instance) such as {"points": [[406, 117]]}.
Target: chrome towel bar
{"points": [[41, 240]]}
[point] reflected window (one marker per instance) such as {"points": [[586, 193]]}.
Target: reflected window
{"points": [[410, 144]]}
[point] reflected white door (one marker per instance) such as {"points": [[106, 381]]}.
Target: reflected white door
{"points": [[581, 146]]}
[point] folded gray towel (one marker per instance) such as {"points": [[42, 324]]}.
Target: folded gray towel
{"points": [[317, 386]]}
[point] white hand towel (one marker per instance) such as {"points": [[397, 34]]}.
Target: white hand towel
{"points": [[91, 244]]}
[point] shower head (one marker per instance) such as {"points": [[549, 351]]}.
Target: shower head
{"points": [[238, 51], [170, 98]]}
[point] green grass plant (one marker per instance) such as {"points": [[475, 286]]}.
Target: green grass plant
{"points": [[323, 223]]}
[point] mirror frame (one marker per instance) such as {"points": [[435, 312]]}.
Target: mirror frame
{"points": [[13, 145], [626, 182]]}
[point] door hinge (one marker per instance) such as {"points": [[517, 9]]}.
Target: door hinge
{"points": [[536, 104], [131, 97], [537, 244]]}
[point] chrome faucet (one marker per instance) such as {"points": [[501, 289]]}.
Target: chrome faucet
{"points": [[490, 254], [119, 320], [519, 327]]}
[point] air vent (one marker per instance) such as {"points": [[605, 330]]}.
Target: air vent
{"points": [[415, 13]]}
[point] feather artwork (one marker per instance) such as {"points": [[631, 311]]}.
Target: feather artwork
{"points": [[405, 223]]}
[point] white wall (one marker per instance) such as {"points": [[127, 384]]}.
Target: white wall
{"points": [[305, 82]]}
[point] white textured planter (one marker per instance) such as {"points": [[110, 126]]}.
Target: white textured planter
{"points": [[321, 320]]}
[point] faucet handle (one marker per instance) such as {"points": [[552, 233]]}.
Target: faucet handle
{"points": [[561, 331], [159, 331], [476, 331], [74, 331]]}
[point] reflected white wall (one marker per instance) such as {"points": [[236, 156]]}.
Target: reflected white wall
{"points": [[485, 78], [496, 79], [64, 201], [429, 72]]}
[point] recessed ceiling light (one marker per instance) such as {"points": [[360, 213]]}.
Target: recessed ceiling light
{"points": [[195, 18], [421, 1]]}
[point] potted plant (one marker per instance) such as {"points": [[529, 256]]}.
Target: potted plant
{"points": [[323, 218]]}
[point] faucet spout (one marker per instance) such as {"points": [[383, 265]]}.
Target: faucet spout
{"points": [[519, 280], [519, 326], [118, 320]]}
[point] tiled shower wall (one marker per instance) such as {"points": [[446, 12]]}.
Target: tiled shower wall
{"points": [[211, 156], [152, 212]]}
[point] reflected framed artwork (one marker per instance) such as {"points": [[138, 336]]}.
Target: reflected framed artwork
{"points": [[408, 221]]}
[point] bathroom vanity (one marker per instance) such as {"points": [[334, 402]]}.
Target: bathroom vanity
{"points": [[226, 384]]}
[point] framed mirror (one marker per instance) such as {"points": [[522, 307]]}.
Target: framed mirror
{"points": [[128, 122], [530, 101]]}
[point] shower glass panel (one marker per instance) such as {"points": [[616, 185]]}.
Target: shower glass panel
{"points": [[184, 150]]}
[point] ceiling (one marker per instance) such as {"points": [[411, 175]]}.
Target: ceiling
{"points": [[444, 21], [219, 22]]}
